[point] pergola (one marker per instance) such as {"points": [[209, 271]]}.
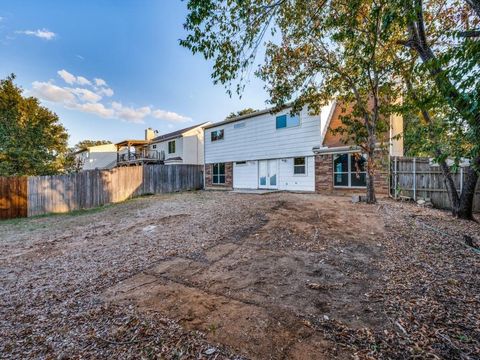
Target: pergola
{"points": [[129, 144]]}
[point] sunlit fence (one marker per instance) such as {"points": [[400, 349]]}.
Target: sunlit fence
{"points": [[420, 178], [37, 195]]}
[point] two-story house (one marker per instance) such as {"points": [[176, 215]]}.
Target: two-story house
{"points": [[184, 146], [264, 150], [284, 152]]}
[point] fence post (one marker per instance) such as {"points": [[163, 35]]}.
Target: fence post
{"points": [[461, 179], [395, 182], [414, 179]]}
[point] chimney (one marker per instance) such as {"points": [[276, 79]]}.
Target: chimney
{"points": [[149, 134]]}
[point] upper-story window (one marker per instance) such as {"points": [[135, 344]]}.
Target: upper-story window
{"points": [[217, 135], [171, 147], [287, 121], [154, 146]]}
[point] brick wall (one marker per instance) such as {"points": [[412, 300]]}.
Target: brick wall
{"points": [[228, 177], [324, 177]]}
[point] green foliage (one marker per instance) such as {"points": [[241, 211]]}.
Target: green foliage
{"points": [[444, 76], [85, 144], [241, 113], [318, 51], [32, 140]]}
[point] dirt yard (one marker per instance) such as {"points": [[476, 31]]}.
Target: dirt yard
{"points": [[212, 275]]}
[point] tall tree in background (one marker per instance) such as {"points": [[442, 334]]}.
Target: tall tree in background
{"points": [[241, 113], [443, 37], [319, 50], [32, 140], [85, 144]]}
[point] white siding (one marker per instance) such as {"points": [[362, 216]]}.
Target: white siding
{"points": [[245, 176], [193, 146], [163, 146], [189, 147], [259, 138], [287, 180], [98, 160]]}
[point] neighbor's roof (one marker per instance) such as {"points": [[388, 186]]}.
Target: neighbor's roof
{"points": [[247, 116], [175, 134], [132, 142]]}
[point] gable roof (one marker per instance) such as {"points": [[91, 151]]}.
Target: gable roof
{"points": [[174, 134], [248, 116]]}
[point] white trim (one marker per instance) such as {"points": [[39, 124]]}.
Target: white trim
{"points": [[329, 120], [305, 165]]}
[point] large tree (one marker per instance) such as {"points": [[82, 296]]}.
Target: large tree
{"points": [[85, 144], [242, 112], [443, 37], [32, 140], [319, 50]]}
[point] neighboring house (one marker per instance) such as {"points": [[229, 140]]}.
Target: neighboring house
{"points": [[97, 157], [184, 146], [279, 151]]}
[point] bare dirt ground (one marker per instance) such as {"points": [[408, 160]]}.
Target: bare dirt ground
{"points": [[223, 275]]}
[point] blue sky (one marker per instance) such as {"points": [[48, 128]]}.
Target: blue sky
{"points": [[110, 69]]}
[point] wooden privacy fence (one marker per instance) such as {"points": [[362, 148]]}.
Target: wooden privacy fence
{"points": [[418, 178], [13, 197], [88, 189]]}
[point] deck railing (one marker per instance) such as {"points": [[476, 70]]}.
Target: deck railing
{"points": [[150, 155]]}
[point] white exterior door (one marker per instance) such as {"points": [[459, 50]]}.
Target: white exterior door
{"points": [[268, 174]]}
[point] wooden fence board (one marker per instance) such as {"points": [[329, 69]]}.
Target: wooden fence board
{"points": [[13, 197], [87, 189], [417, 178]]}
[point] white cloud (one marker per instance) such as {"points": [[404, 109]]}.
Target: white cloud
{"points": [[95, 108], [50, 92], [72, 79], [67, 77], [87, 97], [129, 113], [82, 81], [100, 82], [104, 91], [170, 116], [40, 33]]}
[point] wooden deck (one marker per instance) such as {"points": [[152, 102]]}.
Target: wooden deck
{"points": [[138, 161]]}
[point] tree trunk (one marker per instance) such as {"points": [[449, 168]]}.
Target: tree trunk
{"points": [[465, 206], [462, 205], [370, 179]]}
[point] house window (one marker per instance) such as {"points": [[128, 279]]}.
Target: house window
{"points": [[287, 121], [154, 146], [349, 170], [171, 147], [239, 125], [240, 163], [299, 166], [218, 173], [217, 135]]}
